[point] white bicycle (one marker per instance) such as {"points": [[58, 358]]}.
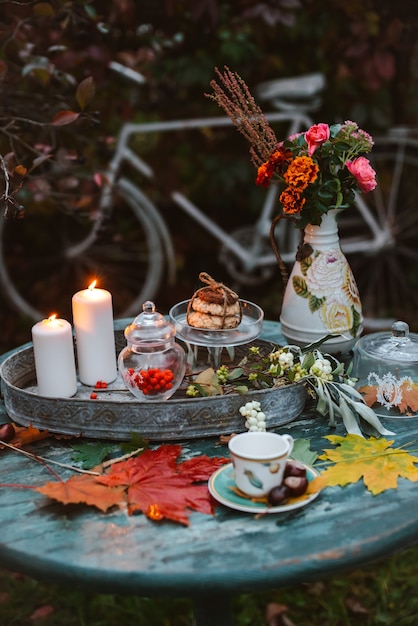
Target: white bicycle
{"points": [[128, 244]]}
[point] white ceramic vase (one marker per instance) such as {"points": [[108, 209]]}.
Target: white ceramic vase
{"points": [[321, 296]]}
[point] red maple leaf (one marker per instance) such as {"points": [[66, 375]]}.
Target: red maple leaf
{"points": [[153, 483], [161, 487]]}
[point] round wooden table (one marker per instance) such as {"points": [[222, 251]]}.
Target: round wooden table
{"points": [[232, 552]]}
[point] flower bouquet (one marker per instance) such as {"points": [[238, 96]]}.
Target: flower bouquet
{"points": [[319, 170], [319, 173]]}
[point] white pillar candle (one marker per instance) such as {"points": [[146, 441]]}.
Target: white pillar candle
{"points": [[95, 337], [53, 350]]}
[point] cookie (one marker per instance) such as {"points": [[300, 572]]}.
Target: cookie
{"points": [[212, 322], [214, 307], [205, 306]]}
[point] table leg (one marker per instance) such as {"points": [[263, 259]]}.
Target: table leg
{"points": [[213, 611]]}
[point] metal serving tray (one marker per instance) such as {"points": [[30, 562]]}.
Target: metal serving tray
{"points": [[116, 413]]}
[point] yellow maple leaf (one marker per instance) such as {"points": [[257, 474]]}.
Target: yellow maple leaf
{"points": [[372, 459]]}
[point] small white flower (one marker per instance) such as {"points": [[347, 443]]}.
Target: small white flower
{"points": [[286, 360]]}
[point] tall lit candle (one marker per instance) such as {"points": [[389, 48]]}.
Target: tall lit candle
{"points": [[95, 338], [53, 350]]}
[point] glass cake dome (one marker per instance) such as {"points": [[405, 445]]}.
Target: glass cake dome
{"points": [[386, 365]]}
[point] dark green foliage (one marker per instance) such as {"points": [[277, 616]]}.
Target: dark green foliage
{"points": [[367, 52]]}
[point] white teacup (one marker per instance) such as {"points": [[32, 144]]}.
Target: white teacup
{"points": [[259, 460]]}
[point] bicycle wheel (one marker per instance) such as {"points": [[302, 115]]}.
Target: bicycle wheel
{"points": [[39, 277], [380, 238]]}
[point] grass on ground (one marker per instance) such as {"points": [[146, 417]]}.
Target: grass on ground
{"points": [[384, 594]]}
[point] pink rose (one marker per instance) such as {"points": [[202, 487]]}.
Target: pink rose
{"points": [[315, 136], [361, 169]]}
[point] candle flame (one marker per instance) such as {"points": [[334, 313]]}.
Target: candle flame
{"points": [[93, 284], [52, 317]]}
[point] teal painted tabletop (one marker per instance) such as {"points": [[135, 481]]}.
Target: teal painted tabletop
{"points": [[216, 556]]}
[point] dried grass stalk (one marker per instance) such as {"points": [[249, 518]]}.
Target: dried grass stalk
{"points": [[232, 94]]}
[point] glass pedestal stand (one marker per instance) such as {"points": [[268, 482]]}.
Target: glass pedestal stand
{"points": [[216, 340]]}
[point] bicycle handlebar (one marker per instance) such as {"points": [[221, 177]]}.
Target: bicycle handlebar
{"points": [[127, 72], [282, 93]]}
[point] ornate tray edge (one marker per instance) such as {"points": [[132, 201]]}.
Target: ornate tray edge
{"points": [[106, 418]]}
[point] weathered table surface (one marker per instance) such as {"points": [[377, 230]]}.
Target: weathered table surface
{"points": [[231, 552]]}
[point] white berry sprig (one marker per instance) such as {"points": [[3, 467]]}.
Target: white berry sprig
{"points": [[255, 418]]}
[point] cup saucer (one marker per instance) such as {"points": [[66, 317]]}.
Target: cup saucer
{"points": [[222, 487]]}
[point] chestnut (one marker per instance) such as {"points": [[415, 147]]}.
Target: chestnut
{"points": [[297, 485], [278, 495], [7, 432], [294, 468]]}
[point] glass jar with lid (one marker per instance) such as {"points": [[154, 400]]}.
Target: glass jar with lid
{"points": [[386, 365], [152, 365]]}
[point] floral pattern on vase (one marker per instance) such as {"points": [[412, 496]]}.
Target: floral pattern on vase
{"points": [[321, 296], [328, 283]]}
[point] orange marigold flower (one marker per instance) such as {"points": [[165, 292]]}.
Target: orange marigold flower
{"points": [[276, 163], [264, 174], [280, 158], [301, 172], [292, 200]]}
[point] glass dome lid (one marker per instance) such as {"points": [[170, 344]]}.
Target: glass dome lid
{"points": [[149, 327], [398, 345], [386, 368]]}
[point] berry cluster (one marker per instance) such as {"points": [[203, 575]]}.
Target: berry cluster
{"points": [[322, 369], [255, 418], [151, 381], [100, 384]]}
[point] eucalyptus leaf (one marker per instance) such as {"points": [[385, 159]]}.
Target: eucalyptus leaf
{"points": [[350, 421], [370, 416], [308, 361], [331, 407], [339, 369], [350, 390]]}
